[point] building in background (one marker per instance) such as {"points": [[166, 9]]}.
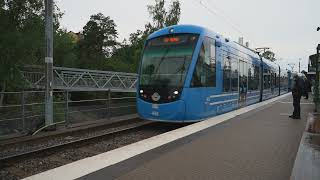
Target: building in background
{"points": [[312, 66], [76, 36]]}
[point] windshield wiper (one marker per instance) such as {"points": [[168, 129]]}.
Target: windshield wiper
{"points": [[162, 59], [182, 68]]}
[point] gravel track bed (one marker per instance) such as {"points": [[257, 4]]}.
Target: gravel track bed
{"points": [[6, 175], [12, 149], [49, 160], [123, 140], [36, 165], [74, 155]]}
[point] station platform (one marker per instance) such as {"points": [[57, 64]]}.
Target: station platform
{"points": [[256, 142]]}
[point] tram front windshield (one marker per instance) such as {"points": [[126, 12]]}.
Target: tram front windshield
{"points": [[166, 60]]}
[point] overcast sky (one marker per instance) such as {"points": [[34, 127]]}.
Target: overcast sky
{"points": [[287, 26]]}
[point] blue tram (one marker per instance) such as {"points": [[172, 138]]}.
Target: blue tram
{"points": [[189, 73]]}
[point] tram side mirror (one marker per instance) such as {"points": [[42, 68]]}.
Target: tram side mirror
{"points": [[218, 44]]}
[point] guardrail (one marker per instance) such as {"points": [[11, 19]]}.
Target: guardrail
{"points": [[24, 111]]}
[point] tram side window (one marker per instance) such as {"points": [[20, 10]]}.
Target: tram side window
{"points": [[256, 77], [271, 79], [275, 80], [226, 74], [234, 74], [205, 72], [251, 77], [267, 79]]}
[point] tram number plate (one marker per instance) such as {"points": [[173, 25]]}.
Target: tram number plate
{"points": [[155, 113], [155, 106]]}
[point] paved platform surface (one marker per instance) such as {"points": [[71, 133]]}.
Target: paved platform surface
{"points": [[307, 163], [260, 144]]}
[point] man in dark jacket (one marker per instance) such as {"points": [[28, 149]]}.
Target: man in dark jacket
{"points": [[307, 85], [296, 94], [307, 88]]}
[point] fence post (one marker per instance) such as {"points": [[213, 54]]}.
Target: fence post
{"points": [[23, 110], [67, 108], [109, 104]]}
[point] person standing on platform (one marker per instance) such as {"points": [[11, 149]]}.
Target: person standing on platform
{"points": [[307, 86], [296, 94]]}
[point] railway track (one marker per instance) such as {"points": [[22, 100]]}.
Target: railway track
{"points": [[56, 146], [27, 163]]}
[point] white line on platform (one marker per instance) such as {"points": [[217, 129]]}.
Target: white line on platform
{"points": [[287, 102], [89, 165], [285, 114]]}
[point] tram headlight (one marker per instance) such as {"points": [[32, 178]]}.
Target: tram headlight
{"points": [[176, 92], [141, 91]]}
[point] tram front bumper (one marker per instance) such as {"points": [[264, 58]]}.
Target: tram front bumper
{"points": [[171, 112]]}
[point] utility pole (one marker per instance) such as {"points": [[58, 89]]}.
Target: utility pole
{"points": [[49, 62], [299, 64], [316, 87]]}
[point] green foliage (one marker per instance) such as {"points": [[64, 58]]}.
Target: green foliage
{"points": [[173, 15], [99, 41], [22, 32], [128, 55], [161, 17], [20, 36], [64, 49]]}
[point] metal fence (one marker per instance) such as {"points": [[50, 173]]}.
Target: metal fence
{"points": [[23, 112], [80, 79]]}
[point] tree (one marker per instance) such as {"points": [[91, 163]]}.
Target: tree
{"points": [[22, 42], [99, 39], [19, 38], [64, 49], [269, 55], [173, 16], [158, 13], [161, 17]]}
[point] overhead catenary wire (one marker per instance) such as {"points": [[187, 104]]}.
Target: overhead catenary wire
{"points": [[224, 16], [226, 20]]}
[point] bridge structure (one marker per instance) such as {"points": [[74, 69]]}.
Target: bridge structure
{"points": [[73, 79]]}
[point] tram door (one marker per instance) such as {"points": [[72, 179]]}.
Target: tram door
{"points": [[243, 82]]}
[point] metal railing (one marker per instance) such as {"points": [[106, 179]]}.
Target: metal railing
{"points": [[23, 112], [19, 108], [81, 79]]}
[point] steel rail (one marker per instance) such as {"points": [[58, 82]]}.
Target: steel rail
{"points": [[12, 158]]}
